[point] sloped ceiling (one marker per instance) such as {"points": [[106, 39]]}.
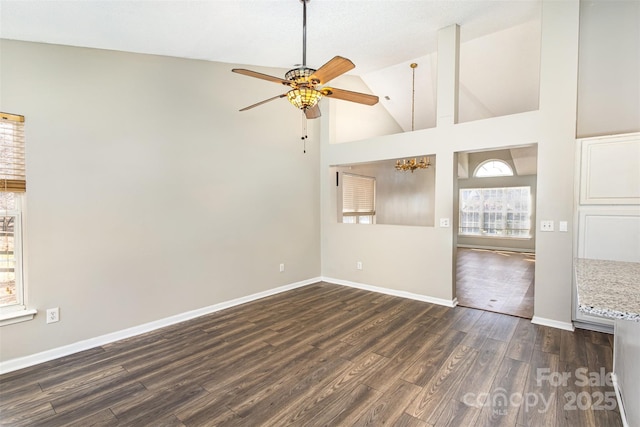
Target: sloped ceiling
{"points": [[380, 37]]}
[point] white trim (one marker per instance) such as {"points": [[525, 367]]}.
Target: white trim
{"points": [[589, 326], [45, 356], [396, 293], [17, 316], [481, 165], [616, 387], [567, 326], [497, 248]]}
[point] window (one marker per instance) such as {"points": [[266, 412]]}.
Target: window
{"points": [[358, 199], [10, 250], [12, 188], [493, 168], [499, 212]]}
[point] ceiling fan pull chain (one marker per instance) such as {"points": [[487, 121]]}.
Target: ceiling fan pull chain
{"points": [[304, 133]]}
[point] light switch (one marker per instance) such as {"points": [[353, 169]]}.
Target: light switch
{"points": [[563, 226]]}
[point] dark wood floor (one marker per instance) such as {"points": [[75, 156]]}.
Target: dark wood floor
{"points": [[330, 355], [499, 281]]}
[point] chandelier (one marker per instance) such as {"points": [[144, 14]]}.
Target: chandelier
{"points": [[413, 164]]}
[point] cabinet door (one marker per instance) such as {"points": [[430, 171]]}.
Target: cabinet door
{"points": [[610, 170], [611, 233]]}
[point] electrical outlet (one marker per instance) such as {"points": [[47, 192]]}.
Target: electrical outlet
{"points": [[359, 265], [444, 222], [546, 225], [281, 268], [53, 315]]}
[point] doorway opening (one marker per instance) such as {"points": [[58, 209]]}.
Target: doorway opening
{"points": [[494, 230]]}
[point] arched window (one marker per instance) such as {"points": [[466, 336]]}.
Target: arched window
{"points": [[493, 168]]}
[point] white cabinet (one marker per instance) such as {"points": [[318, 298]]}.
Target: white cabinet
{"points": [[608, 206], [610, 170]]}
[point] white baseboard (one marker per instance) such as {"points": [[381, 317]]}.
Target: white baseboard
{"points": [[607, 329], [45, 356], [567, 326], [393, 292], [497, 248]]}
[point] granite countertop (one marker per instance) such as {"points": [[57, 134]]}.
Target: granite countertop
{"points": [[609, 288]]}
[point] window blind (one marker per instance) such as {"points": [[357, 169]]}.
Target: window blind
{"points": [[12, 165], [358, 195]]}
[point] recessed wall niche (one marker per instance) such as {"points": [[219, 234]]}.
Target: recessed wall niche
{"points": [[401, 197]]}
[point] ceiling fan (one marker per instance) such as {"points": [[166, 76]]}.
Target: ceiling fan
{"points": [[307, 84]]}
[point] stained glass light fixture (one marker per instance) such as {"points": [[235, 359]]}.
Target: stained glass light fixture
{"points": [[304, 98]]}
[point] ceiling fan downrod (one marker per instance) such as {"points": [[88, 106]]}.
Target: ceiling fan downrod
{"points": [[304, 33], [307, 85]]}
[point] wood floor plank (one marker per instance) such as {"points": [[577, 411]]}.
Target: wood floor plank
{"points": [[569, 412], [321, 354], [208, 409], [407, 420], [294, 389], [482, 328], [268, 375], [390, 406], [245, 401], [200, 364], [488, 362], [333, 392], [29, 392], [503, 327], [572, 347], [465, 319], [548, 339], [443, 386], [156, 405], [26, 413], [540, 393], [76, 398], [394, 341], [523, 341], [416, 346], [346, 409], [106, 400], [423, 369], [456, 413], [505, 403], [104, 418]]}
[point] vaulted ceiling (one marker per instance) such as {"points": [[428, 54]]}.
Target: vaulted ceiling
{"points": [[381, 37]]}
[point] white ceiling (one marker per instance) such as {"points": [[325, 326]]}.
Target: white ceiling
{"points": [[374, 34], [499, 52]]}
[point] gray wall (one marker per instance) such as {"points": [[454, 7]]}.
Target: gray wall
{"points": [[402, 197], [608, 83], [149, 194]]}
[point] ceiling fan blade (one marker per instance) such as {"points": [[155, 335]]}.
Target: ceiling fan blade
{"points": [[347, 95], [332, 69], [261, 76], [263, 102], [312, 113]]}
